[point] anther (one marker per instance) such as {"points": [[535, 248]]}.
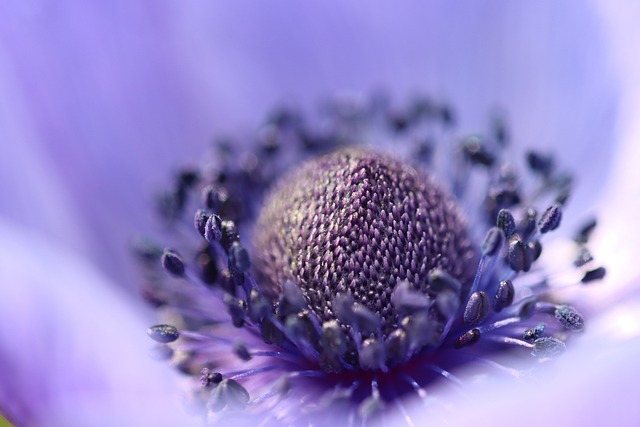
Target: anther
{"points": [[527, 224], [239, 258], [468, 338], [237, 310], [213, 229], [585, 231], [540, 163], [550, 219], [161, 352], [440, 280], [476, 151], [241, 351], [421, 330], [397, 346], [228, 393], [569, 318], [504, 295], [172, 262], [259, 307], [200, 220], [532, 334], [506, 222], [208, 377], [548, 347], [372, 355], [333, 340], [406, 300], [519, 255], [584, 257], [492, 241], [163, 333], [292, 297], [477, 308], [595, 274], [229, 234]]}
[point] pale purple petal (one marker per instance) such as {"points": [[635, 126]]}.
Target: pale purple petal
{"points": [[73, 350]]}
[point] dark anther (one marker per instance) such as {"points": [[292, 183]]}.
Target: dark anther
{"points": [[171, 203], [187, 178], [398, 120], [236, 310], [492, 242], [270, 332], [532, 334], [208, 377], [548, 347], [397, 346], [527, 225], [239, 257], [440, 280], [259, 307], [447, 303], [540, 163], [468, 338], [527, 310], [421, 330], [228, 393], [569, 318], [504, 295], [200, 221], [563, 196], [406, 300], [146, 250], [161, 352], [213, 229], [269, 138], [333, 340], [229, 234], [519, 255], [372, 355], [214, 197], [584, 257], [535, 248], [365, 320], [506, 223], [595, 274], [477, 308], [163, 333], [207, 266], [550, 219], [172, 262], [447, 116], [476, 151], [585, 231], [292, 298], [424, 150], [500, 131], [242, 352]]}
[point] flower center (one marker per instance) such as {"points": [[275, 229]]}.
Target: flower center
{"points": [[354, 225]]}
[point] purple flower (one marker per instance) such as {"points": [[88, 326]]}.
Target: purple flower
{"points": [[100, 102]]}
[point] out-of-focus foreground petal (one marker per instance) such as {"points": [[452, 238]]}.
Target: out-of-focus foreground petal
{"points": [[593, 384], [73, 350], [112, 96]]}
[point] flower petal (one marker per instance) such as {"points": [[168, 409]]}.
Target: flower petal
{"points": [[73, 351]]}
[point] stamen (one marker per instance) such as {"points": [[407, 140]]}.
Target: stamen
{"points": [[163, 333]]}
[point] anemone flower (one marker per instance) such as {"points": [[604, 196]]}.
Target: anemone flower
{"points": [[101, 103]]}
